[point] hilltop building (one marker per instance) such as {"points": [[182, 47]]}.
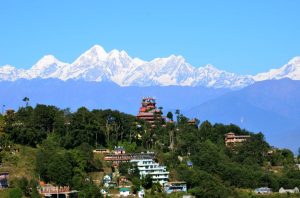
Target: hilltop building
{"points": [[150, 167], [232, 139], [148, 111]]}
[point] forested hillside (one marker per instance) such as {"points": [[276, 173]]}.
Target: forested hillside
{"points": [[61, 142]]}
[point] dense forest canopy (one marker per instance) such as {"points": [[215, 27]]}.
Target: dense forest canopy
{"points": [[65, 140]]}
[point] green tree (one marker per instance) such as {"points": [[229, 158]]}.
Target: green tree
{"points": [[156, 188], [15, 193], [90, 190], [23, 184], [124, 168], [136, 184], [147, 182], [170, 115], [60, 170], [253, 151]]}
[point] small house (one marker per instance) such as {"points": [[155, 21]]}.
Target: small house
{"points": [[102, 151], [119, 150], [178, 186], [282, 190], [4, 180], [263, 190], [124, 191]]}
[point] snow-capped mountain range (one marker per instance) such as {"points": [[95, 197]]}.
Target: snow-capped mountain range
{"points": [[117, 66]]}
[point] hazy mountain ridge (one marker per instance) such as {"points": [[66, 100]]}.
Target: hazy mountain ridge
{"points": [[117, 66], [270, 106], [77, 93]]}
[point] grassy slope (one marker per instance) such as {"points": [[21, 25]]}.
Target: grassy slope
{"points": [[19, 165]]}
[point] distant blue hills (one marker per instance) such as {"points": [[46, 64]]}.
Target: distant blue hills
{"points": [[103, 95], [272, 107]]}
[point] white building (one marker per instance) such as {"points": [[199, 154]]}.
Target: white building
{"points": [[263, 190], [282, 190], [150, 167], [124, 192]]}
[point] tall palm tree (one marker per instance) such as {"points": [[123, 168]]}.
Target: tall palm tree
{"points": [[26, 100]]}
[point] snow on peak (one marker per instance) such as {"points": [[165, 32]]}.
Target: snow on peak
{"points": [[290, 70], [117, 54], [295, 61], [7, 67], [46, 61], [48, 58], [210, 67], [92, 56], [96, 64], [45, 67], [98, 50], [10, 73], [176, 58]]}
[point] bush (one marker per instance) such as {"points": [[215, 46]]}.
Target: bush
{"points": [[15, 193]]}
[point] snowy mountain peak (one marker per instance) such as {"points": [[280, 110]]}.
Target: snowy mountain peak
{"points": [[7, 67], [96, 64], [118, 54], [45, 67], [98, 50], [178, 58], [92, 56], [290, 70], [47, 60], [295, 61]]}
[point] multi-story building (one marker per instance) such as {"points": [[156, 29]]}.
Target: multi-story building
{"points": [[148, 111], [232, 139], [126, 157], [150, 167]]}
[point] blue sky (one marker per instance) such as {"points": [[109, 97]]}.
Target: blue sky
{"points": [[240, 36]]}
